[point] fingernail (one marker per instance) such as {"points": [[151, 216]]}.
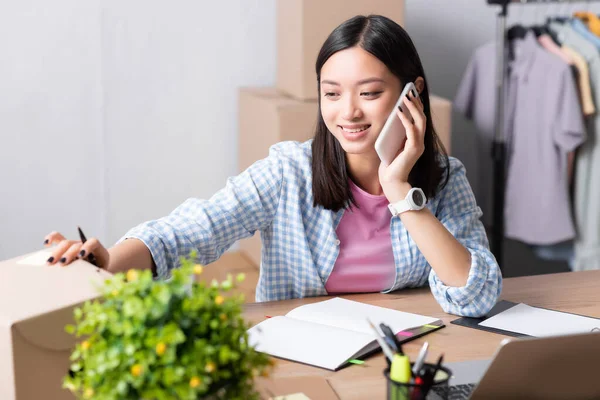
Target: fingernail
{"points": [[46, 241], [51, 259], [63, 260], [82, 253], [400, 108]]}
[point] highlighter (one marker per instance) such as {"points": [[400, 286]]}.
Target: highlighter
{"points": [[400, 372]]}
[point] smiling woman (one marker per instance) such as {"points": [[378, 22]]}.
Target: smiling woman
{"points": [[333, 218]]}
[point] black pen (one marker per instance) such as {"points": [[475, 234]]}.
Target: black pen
{"points": [[90, 257], [391, 338]]}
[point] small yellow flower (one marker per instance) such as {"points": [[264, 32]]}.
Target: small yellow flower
{"points": [[89, 392], [161, 348], [114, 292], [198, 269], [136, 370], [219, 300], [132, 275], [85, 345], [210, 367], [195, 382], [223, 317]]}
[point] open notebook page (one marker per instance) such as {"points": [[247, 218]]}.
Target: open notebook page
{"points": [[352, 315], [315, 344], [539, 322]]}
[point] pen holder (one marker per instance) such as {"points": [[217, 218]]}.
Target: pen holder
{"points": [[413, 391]]}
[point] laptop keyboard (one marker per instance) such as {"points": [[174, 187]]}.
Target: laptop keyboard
{"points": [[460, 392], [456, 392]]}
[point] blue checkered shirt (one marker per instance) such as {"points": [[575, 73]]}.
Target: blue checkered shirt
{"points": [[299, 241]]}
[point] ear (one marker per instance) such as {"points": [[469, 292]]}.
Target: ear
{"points": [[420, 84]]}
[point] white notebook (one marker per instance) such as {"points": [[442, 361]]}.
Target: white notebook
{"points": [[540, 322], [329, 333]]}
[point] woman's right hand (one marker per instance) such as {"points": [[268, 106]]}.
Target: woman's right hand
{"points": [[68, 251]]}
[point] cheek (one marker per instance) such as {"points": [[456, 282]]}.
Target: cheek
{"points": [[329, 114]]}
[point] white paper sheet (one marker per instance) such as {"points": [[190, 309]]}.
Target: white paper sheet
{"points": [[38, 258], [352, 315], [315, 344], [539, 322]]}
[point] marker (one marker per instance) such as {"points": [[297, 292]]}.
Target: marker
{"points": [[420, 359]]}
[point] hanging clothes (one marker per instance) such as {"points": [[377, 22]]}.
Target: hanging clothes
{"points": [[587, 167], [543, 121], [591, 20], [583, 81]]}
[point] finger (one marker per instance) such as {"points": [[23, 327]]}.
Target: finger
{"points": [[420, 102], [409, 127], [418, 116], [415, 112], [94, 252], [53, 237], [406, 121], [59, 251], [71, 254]]}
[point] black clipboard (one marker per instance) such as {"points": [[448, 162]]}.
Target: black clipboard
{"points": [[501, 306]]}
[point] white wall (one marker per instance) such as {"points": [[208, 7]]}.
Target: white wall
{"points": [[113, 112], [171, 76], [51, 123]]}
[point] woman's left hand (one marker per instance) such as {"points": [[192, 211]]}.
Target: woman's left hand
{"points": [[394, 177]]}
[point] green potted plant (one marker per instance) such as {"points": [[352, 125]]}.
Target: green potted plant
{"points": [[154, 340]]}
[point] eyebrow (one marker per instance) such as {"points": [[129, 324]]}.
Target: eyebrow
{"points": [[361, 82]]}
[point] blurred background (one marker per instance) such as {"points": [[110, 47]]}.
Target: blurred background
{"points": [[114, 112]]}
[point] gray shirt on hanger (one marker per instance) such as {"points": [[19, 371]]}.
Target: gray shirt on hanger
{"points": [[587, 166], [543, 122]]}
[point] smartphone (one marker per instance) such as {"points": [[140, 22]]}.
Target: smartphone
{"points": [[393, 133]]}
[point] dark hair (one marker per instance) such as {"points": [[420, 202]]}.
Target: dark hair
{"points": [[390, 43]]}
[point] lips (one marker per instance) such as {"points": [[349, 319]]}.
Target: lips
{"points": [[354, 132]]}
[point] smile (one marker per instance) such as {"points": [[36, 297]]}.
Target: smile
{"points": [[355, 130]]}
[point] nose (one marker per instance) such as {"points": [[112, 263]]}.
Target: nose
{"points": [[351, 110]]}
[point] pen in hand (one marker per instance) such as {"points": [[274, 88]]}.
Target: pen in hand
{"points": [[90, 257]]}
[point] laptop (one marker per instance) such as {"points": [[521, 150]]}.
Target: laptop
{"points": [[557, 367]]}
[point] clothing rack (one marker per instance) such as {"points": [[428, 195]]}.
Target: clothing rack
{"points": [[499, 142]]}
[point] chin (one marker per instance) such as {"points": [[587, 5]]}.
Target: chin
{"points": [[357, 147]]}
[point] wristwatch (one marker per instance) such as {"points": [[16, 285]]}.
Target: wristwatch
{"points": [[415, 200]]}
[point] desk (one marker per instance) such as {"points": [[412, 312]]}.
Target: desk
{"points": [[577, 292]]}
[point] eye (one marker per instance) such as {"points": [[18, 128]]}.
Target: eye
{"points": [[370, 94], [330, 94]]}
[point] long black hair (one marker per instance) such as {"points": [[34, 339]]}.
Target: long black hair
{"points": [[390, 43]]}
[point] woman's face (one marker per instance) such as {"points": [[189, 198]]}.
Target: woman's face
{"points": [[358, 93]]}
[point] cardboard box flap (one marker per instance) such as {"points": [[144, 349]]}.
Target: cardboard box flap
{"points": [[30, 291], [47, 331]]}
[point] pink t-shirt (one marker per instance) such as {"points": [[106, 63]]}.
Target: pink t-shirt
{"points": [[366, 261]]}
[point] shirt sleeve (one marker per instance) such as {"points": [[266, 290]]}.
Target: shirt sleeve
{"points": [[465, 96], [459, 213], [569, 130], [248, 203]]}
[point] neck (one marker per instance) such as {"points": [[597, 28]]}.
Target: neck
{"points": [[364, 171]]}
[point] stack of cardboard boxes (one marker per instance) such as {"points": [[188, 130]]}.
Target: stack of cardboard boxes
{"points": [[289, 110]]}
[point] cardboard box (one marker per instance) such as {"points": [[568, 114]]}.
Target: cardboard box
{"points": [[267, 117], [303, 27], [36, 302], [234, 263], [441, 114], [312, 387]]}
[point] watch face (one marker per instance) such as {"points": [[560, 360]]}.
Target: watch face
{"points": [[417, 198]]}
